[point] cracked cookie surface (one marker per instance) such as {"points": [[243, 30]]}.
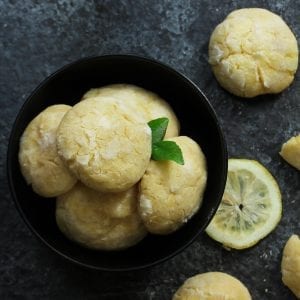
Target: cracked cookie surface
{"points": [[290, 151], [290, 265], [253, 52], [104, 144], [40, 164], [170, 193], [98, 220], [146, 104], [212, 286]]}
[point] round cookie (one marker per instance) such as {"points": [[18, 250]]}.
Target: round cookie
{"points": [[253, 52], [170, 193], [146, 104], [104, 144], [290, 265], [100, 221], [211, 286], [290, 151], [40, 164]]}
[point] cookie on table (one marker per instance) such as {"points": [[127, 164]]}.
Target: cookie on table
{"points": [[253, 52], [290, 265], [212, 286], [290, 151]]}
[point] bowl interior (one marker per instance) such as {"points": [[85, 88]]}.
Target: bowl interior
{"points": [[197, 120]]}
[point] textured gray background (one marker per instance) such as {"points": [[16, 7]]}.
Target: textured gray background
{"points": [[38, 37]]}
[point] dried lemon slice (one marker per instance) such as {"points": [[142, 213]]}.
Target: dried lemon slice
{"points": [[250, 208]]}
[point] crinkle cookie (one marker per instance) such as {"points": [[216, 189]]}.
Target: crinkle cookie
{"points": [[40, 164], [290, 151], [100, 221], [104, 144], [290, 265], [170, 193], [212, 286], [146, 104], [253, 52]]}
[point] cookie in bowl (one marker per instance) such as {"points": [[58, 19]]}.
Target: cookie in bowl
{"points": [[40, 163]]}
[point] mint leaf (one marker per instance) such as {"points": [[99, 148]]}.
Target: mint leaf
{"points": [[163, 150], [167, 150], [158, 128]]}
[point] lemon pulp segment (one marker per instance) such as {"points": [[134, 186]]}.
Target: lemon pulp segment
{"points": [[250, 208]]}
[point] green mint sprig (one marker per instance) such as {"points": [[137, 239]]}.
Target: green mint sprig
{"points": [[163, 150]]}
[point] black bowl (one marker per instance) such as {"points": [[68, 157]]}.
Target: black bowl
{"points": [[198, 120]]}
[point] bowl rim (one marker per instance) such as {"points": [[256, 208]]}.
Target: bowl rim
{"points": [[134, 58]]}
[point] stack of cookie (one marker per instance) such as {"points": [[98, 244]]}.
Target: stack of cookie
{"points": [[95, 158]]}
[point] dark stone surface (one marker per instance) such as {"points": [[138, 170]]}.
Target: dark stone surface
{"points": [[37, 37]]}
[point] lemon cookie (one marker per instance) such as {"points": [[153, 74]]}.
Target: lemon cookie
{"points": [[290, 265], [171, 193], [40, 164], [253, 52], [100, 221], [104, 144], [212, 285], [290, 151], [146, 104]]}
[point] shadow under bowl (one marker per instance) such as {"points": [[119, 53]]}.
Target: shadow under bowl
{"points": [[198, 121]]}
